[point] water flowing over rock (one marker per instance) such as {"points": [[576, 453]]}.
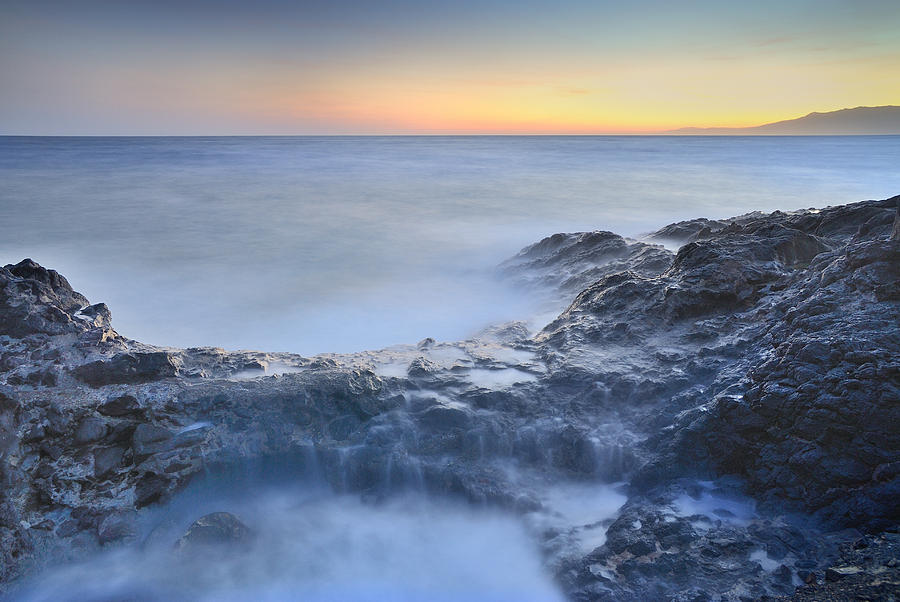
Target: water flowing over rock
{"points": [[711, 423]]}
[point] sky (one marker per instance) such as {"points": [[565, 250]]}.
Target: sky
{"points": [[223, 67]]}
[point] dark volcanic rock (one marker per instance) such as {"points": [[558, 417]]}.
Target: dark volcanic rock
{"points": [[815, 419], [687, 231], [36, 300], [122, 405], [569, 262], [868, 569], [128, 368], [895, 231], [727, 272], [797, 315]]}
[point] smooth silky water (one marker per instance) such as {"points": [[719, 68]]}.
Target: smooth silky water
{"points": [[312, 542], [342, 244]]}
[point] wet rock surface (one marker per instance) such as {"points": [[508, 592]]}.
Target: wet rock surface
{"points": [[868, 569], [743, 392]]}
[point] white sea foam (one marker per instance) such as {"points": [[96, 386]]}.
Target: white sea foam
{"points": [[765, 561], [269, 369], [498, 379], [715, 506], [392, 369], [583, 510]]}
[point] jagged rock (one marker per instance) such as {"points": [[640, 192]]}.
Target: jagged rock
{"points": [[98, 315], [510, 333], [567, 263], [35, 300], [421, 367], [100, 338], [45, 377], [123, 405], [686, 231], [128, 368], [895, 231]]}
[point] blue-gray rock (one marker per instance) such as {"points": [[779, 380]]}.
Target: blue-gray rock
{"points": [[89, 430]]}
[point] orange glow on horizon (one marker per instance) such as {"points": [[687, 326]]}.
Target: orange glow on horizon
{"points": [[584, 68], [636, 96]]}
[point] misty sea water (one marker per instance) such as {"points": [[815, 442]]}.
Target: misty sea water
{"points": [[315, 244]]}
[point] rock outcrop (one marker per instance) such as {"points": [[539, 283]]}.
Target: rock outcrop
{"points": [[746, 388]]}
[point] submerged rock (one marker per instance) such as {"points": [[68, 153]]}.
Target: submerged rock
{"points": [[117, 526], [215, 530]]}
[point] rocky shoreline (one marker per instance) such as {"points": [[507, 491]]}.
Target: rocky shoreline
{"points": [[742, 395]]}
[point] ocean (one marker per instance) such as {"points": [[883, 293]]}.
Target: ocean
{"points": [[338, 244]]}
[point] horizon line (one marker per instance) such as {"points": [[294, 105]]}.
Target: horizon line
{"points": [[745, 130], [661, 134]]}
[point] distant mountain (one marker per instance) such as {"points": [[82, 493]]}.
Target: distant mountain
{"points": [[846, 122]]}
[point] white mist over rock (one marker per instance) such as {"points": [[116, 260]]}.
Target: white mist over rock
{"points": [[309, 545]]}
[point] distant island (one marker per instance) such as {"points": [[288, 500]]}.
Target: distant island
{"points": [[861, 121]]}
